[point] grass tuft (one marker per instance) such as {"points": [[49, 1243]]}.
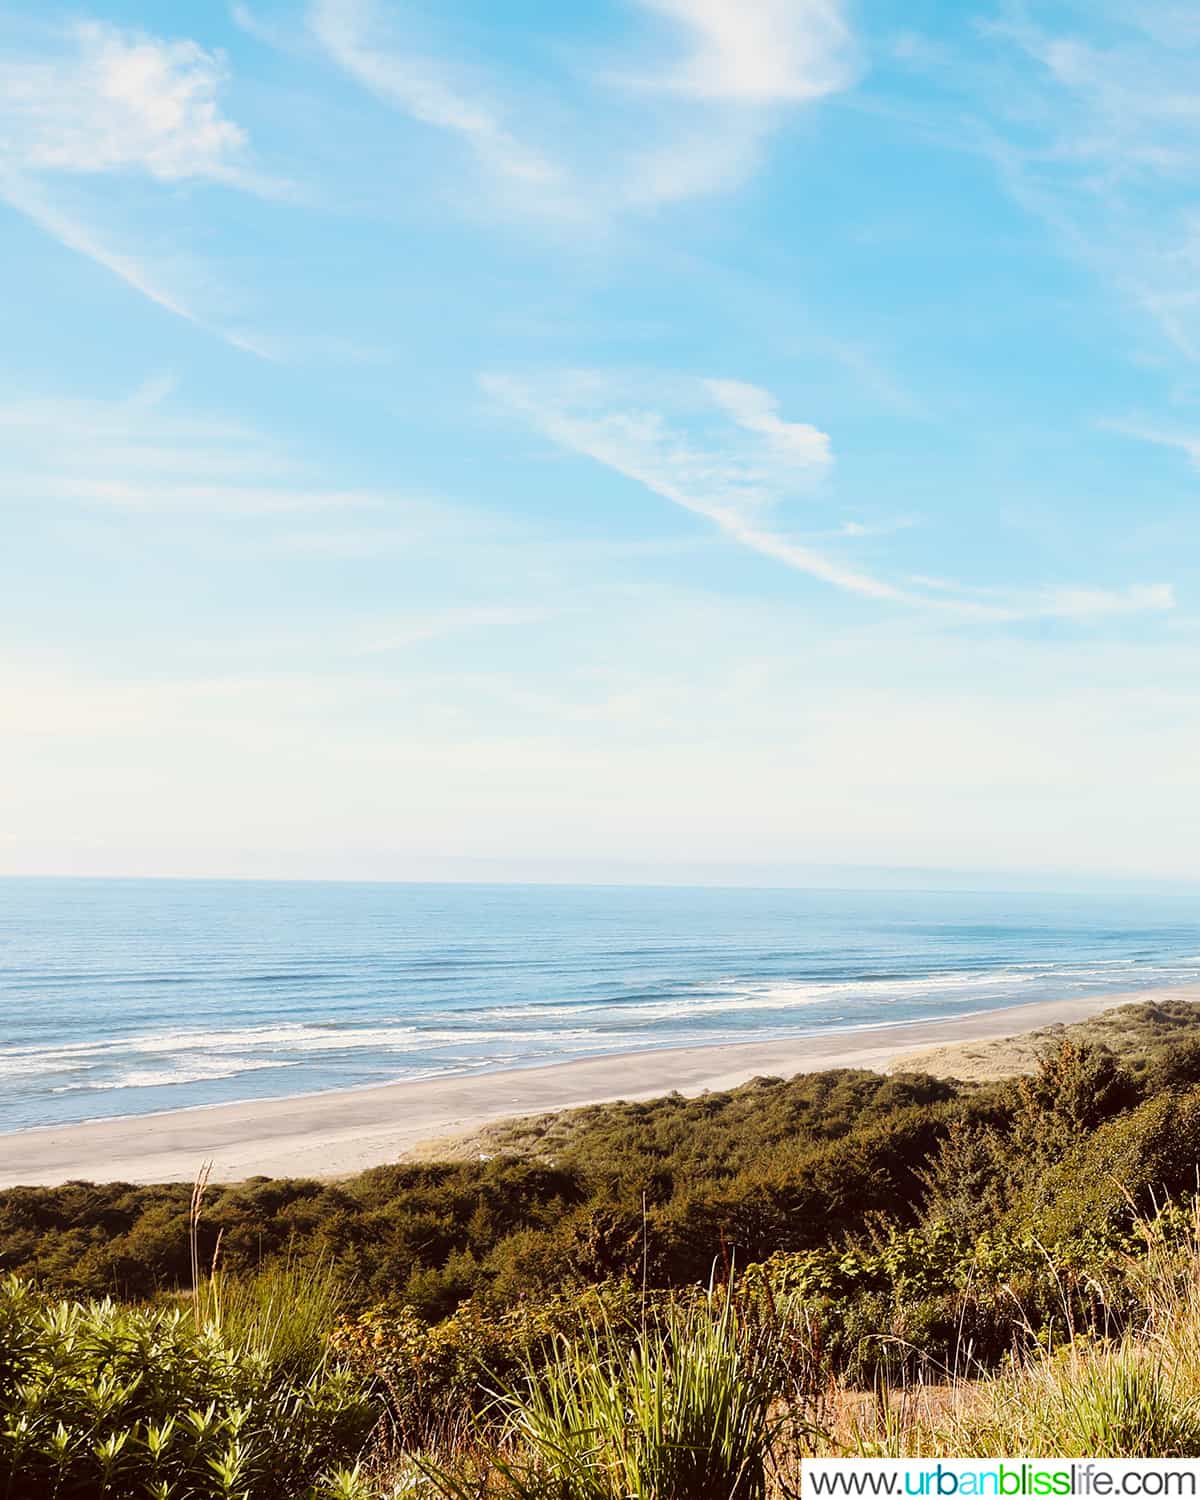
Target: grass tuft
{"points": [[689, 1410]]}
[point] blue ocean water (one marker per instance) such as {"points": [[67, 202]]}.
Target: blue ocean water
{"points": [[123, 997]]}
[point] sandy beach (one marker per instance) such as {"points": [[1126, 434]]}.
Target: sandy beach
{"points": [[338, 1133]]}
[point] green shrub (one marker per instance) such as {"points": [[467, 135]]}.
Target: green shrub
{"points": [[100, 1400], [1124, 1167], [688, 1410], [770, 1165], [1077, 1087], [436, 1378]]}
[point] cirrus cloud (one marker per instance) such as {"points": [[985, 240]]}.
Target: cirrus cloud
{"points": [[737, 471], [759, 51], [107, 100]]}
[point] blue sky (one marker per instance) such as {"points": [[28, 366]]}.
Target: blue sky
{"points": [[660, 437]]}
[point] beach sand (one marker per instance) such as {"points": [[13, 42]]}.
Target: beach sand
{"points": [[338, 1133]]}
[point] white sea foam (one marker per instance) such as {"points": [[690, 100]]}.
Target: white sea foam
{"points": [[12, 1066], [502, 1036], [216, 1046], [738, 996], [231, 1050], [167, 994], [188, 1068]]}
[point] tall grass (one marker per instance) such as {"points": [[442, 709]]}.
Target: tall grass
{"points": [[1082, 1403], [283, 1313], [689, 1410], [712, 1402], [1123, 1403], [1126, 1386], [684, 1397]]}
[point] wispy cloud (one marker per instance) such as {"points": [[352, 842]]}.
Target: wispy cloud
{"points": [[727, 479], [1085, 603], [742, 66], [693, 161], [757, 411], [758, 52], [1062, 603], [144, 454], [358, 40], [649, 131], [736, 473], [1095, 134], [1187, 443], [1129, 102], [108, 100], [100, 101], [724, 439], [863, 529], [28, 199], [437, 624]]}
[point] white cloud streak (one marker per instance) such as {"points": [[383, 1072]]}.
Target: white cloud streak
{"points": [[728, 485], [758, 52], [118, 101], [142, 455], [1085, 603], [27, 199], [758, 411], [356, 39], [711, 113], [1096, 136], [862, 529], [109, 102], [733, 485], [1187, 443]]}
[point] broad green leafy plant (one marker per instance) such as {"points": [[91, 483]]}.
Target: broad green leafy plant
{"points": [[102, 1400]]}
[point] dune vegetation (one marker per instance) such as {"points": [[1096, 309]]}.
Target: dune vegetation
{"points": [[678, 1299]]}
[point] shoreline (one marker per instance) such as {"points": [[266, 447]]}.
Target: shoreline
{"points": [[460, 1075], [335, 1133]]}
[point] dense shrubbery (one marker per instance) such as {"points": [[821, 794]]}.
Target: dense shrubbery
{"points": [[434, 1377], [98, 1399], [661, 1190], [696, 1405], [773, 1165], [873, 1229]]}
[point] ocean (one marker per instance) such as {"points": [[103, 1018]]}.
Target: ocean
{"points": [[123, 997]]}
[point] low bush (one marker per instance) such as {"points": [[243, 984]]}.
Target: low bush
{"points": [[102, 1400], [437, 1379], [899, 1235], [691, 1408]]}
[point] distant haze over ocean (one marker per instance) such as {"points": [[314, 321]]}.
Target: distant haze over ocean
{"points": [[128, 996]]}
